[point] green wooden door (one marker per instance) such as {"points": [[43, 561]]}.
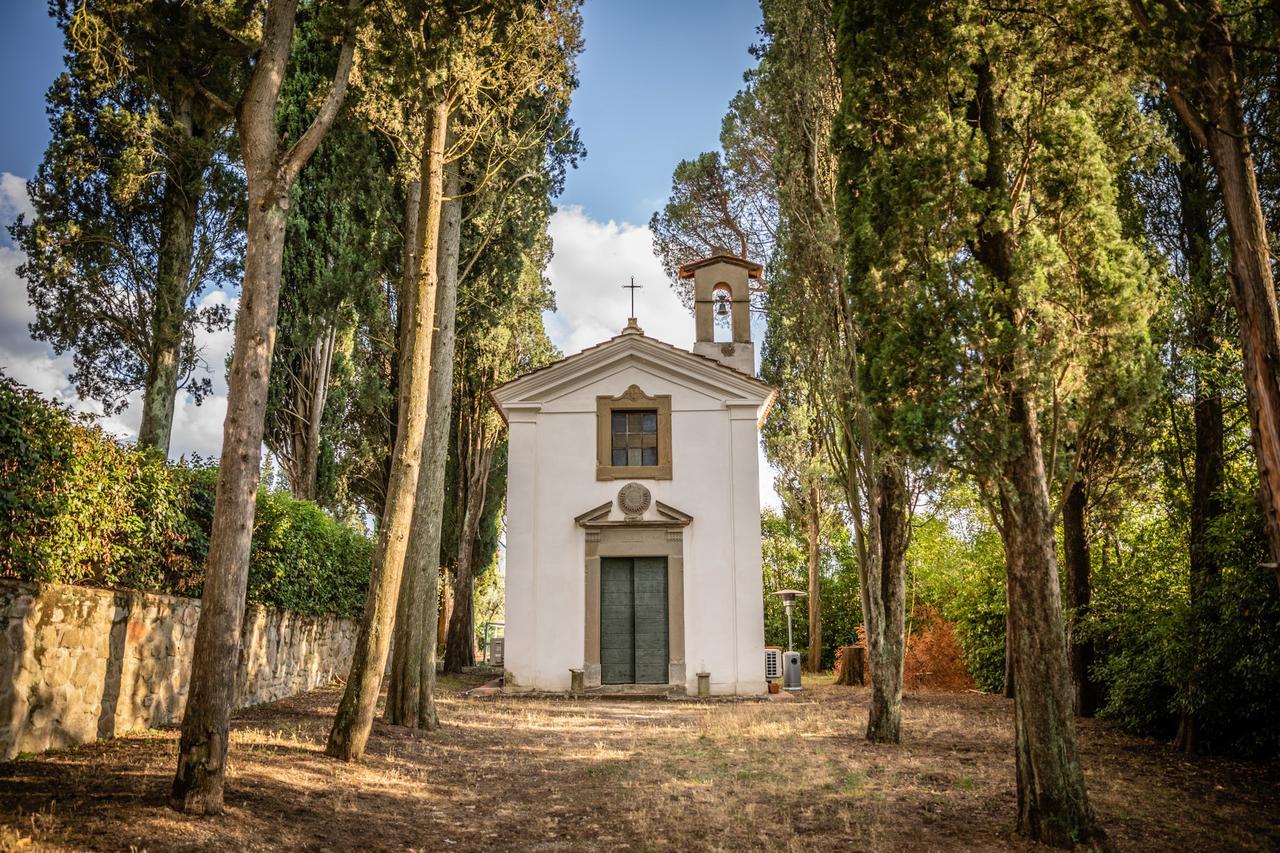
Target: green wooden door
{"points": [[649, 576], [617, 622], [633, 620]]}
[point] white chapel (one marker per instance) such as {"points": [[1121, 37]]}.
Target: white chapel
{"points": [[633, 507]]}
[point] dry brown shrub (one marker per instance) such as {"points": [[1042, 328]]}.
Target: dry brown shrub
{"points": [[933, 658]]}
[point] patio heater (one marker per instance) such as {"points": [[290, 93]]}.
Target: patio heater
{"points": [[790, 660]]}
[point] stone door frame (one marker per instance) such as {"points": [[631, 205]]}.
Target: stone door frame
{"points": [[660, 537]]}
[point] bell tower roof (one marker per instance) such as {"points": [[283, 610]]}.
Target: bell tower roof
{"points": [[721, 256]]}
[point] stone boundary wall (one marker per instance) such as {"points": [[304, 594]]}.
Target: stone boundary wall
{"points": [[79, 664]]}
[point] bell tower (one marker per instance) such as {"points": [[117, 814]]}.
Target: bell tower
{"points": [[721, 287]]}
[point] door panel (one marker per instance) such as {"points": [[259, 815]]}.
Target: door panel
{"points": [[650, 581], [617, 622]]}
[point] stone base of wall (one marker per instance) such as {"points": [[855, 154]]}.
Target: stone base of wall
{"points": [[78, 664]]}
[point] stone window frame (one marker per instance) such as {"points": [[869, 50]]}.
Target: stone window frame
{"points": [[631, 400], [660, 537]]}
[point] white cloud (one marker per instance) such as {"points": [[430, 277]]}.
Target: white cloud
{"points": [[13, 199], [198, 429], [592, 262], [34, 364]]}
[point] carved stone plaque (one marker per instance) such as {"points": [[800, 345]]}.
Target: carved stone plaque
{"points": [[633, 500]]}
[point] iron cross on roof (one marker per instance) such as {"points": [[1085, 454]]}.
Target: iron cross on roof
{"points": [[633, 287]]}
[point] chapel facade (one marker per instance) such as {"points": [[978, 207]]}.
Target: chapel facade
{"points": [[633, 507]]}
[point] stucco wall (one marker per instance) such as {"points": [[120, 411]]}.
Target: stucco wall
{"points": [[78, 664], [715, 479]]}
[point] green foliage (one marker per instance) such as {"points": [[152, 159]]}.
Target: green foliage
{"points": [[1144, 624], [949, 331], [340, 258], [303, 560], [1141, 618], [786, 567], [79, 508]]}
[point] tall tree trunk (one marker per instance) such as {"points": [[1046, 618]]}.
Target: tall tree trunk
{"points": [[317, 394], [410, 699], [1075, 548], [270, 170], [354, 719], [813, 535], [409, 271], [1196, 208], [202, 750], [1053, 806], [1211, 108], [885, 596], [173, 282], [460, 636], [438, 436], [460, 647]]}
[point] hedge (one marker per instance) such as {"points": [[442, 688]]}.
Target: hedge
{"points": [[77, 507]]}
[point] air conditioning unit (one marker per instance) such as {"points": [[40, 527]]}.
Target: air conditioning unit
{"points": [[772, 663]]}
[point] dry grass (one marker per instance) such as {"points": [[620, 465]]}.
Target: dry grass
{"points": [[561, 774]]}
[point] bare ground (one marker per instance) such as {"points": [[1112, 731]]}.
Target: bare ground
{"points": [[575, 774]]}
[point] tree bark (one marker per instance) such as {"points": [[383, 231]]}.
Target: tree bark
{"points": [[813, 535], [354, 720], [1075, 547], [1209, 104], [410, 699], [173, 282], [270, 172], [1008, 656], [409, 271], [198, 785], [445, 615], [1053, 806], [886, 632]]}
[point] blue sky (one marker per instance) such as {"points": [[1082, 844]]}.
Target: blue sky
{"points": [[656, 77], [30, 57]]}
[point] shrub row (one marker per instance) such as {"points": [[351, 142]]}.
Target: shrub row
{"points": [[77, 507]]}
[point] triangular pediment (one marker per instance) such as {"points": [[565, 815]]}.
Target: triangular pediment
{"points": [[650, 355], [667, 516]]}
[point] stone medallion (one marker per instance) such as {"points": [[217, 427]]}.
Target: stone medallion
{"points": [[633, 500]]}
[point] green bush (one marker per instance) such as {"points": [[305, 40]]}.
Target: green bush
{"points": [[77, 507], [1142, 622]]}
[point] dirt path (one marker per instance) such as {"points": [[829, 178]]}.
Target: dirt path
{"points": [[558, 774]]}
